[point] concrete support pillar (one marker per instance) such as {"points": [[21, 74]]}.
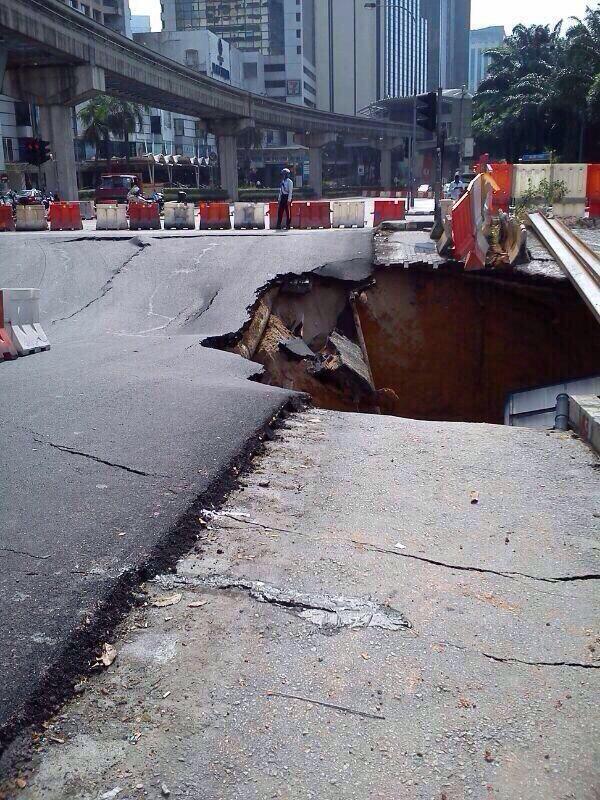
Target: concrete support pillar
{"points": [[315, 143], [56, 90], [228, 165], [56, 125], [385, 169], [227, 131], [315, 166]]}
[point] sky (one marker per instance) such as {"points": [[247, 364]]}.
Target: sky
{"points": [[483, 12]]}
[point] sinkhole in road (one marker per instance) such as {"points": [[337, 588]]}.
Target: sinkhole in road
{"points": [[437, 344]]}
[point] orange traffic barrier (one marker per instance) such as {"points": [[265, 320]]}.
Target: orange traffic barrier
{"points": [[65, 216], [7, 221], [214, 216], [294, 216], [7, 349], [593, 189], [314, 214], [463, 235], [503, 176], [388, 209], [144, 217]]}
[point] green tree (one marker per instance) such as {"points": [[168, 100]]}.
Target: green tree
{"points": [[542, 92], [512, 106], [125, 118], [104, 116]]}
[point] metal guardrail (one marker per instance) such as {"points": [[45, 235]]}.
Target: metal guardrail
{"points": [[579, 263]]}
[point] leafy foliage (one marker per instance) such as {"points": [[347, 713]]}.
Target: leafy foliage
{"points": [[104, 116], [542, 92]]}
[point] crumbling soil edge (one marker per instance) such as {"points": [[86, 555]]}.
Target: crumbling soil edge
{"points": [[75, 660]]}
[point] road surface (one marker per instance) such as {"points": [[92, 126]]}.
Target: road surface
{"points": [[110, 438]]}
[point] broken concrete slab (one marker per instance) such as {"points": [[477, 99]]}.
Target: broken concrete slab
{"points": [[295, 347]]}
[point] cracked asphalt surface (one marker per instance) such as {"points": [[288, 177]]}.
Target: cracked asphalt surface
{"points": [[108, 438], [227, 686]]}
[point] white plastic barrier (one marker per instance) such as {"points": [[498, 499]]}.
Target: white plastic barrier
{"points": [[179, 216], [573, 175], [348, 213], [249, 215], [111, 217], [31, 218], [575, 178], [22, 320], [526, 175]]}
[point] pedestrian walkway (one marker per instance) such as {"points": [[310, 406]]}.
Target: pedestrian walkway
{"points": [[385, 608]]}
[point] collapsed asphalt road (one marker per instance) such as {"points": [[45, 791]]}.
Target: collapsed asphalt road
{"points": [[110, 437]]}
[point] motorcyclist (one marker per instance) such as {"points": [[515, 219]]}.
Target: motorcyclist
{"points": [[135, 195]]}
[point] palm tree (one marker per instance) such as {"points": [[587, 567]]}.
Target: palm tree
{"points": [[512, 105], [94, 118], [124, 118], [106, 115], [543, 92]]}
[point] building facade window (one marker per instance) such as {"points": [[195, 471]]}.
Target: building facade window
{"points": [[179, 126]]}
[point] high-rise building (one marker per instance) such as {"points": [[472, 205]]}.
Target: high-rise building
{"points": [[140, 23], [283, 31], [248, 24], [370, 51], [449, 23], [481, 40], [112, 13]]}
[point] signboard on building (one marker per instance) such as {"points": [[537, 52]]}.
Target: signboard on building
{"points": [[468, 147], [293, 88], [219, 57]]}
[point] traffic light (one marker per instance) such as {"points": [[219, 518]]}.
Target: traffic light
{"points": [[427, 111], [35, 151]]}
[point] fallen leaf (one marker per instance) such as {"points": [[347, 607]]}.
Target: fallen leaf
{"points": [[21, 783], [464, 703], [488, 756], [197, 603], [474, 498], [167, 600], [365, 656], [109, 653]]}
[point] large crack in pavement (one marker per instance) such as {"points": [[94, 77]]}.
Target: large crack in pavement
{"points": [[509, 574], [485, 570], [64, 449], [526, 662], [328, 613], [106, 288]]}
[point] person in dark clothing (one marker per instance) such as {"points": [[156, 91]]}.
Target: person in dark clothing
{"points": [[286, 189]]}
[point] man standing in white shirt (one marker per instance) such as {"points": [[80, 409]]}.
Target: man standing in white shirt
{"points": [[286, 190]]}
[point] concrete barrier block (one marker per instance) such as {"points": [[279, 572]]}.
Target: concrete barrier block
{"points": [[348, 214], [31, 218], [248, 215], [21, 311], [111, 217], [179, 216]]}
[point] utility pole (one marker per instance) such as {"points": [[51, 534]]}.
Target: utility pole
{"points": [[437, 214], [413, 152]]}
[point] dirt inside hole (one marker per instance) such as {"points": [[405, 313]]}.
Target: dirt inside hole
{"points": [[416, 342]]}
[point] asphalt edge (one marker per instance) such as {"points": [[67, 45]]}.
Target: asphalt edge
{"points": [[76, 659]]}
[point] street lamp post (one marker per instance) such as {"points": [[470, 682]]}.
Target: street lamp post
{"points": [[375, 4]]}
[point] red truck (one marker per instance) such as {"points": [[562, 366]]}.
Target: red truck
{"points": [[115, 188]]}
